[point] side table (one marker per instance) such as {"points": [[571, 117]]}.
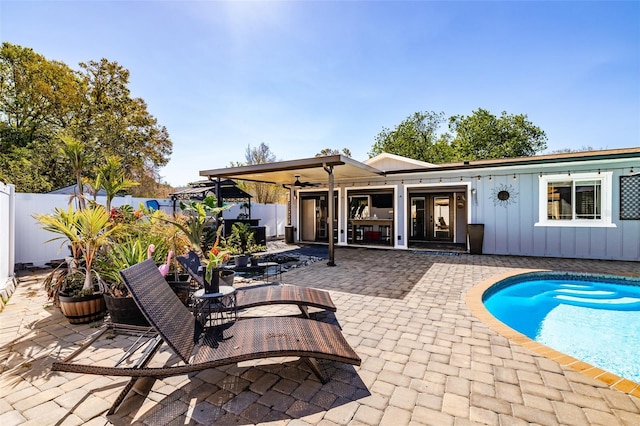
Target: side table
{"points": [[214, 309]]}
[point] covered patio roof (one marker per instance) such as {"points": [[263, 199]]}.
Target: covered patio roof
{"points": [[316, 170], [309, 170]]}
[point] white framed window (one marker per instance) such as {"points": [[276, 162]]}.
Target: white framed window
{"points": [[576, 200]]}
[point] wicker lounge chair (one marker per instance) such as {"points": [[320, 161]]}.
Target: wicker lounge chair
{"points": [[303, 297], [243, 340]]}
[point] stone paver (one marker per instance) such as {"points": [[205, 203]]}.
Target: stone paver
{"points": [[426, 359]]}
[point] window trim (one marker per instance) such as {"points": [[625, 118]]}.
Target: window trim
{"points": [[606, 179]]}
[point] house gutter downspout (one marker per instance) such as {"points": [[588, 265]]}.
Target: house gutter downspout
{"points": [[331, 213]]}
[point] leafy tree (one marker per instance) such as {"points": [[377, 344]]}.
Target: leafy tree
{"points": [[40, 99], [416, 137], [482, 135], [328, 151], [114, 122], [478, 136], [264, 193]]}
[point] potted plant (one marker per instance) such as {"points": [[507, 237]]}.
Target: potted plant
{"points": [[144, 235], [121, 306], [242, 243], [213, 263], [86, 231], [195, 219], [197, 223]]}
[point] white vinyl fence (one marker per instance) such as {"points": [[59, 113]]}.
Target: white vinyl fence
{"points": [[7, 235], [31, 244]]}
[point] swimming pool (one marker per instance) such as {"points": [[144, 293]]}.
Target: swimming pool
{"points": [[593, 318]]}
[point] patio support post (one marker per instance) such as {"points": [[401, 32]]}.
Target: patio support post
{"points": [[330, 215]]}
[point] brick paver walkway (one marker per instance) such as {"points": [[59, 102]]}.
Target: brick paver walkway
{"points": [[425, 359]]}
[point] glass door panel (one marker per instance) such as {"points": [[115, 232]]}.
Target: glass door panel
{"points": [[418, 222], [442, 215]]}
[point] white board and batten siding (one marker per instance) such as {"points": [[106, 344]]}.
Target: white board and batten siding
{"points": [[510, 227]]}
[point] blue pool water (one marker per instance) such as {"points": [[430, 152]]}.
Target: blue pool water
{"points": [[592, 318]]}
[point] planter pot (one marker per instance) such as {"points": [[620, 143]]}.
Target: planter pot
{"points": [[173, 278], [182, 287], [254, 261], [214, 285], [226, 277], [84, 309], [242, 260], [123, 310], [182, 290], [476, 237]]}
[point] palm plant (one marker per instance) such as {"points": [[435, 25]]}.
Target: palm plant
{"points": [[87, 230], [75, 152], [197, 217], [111, 178]]}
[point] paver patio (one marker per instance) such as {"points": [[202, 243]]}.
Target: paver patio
{"points": [[425, 359]]}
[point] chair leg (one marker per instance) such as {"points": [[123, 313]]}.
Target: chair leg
{"points": [[142, 363], [122, 396], [305, 311], [315, 368]]}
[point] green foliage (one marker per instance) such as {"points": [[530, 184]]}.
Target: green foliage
{"points": [[41, 99], [37, 97], [241, 240], [110, 177], [475, 137], [484, 136], [416, 137], [76, 153], [197, 217], [87, 231], [124, 254]]}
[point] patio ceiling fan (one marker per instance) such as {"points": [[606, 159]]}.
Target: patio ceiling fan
{"points": [[299, 184]]}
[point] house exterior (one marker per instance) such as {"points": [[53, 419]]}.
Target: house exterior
{"points": [[573, 205]]}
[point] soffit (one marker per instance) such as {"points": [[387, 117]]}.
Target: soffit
{"points": [[309, 170]]}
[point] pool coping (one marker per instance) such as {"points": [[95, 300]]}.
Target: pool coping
{"points": [[474, 301]]}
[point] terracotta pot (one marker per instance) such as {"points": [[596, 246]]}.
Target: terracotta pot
{"points": [[83, 309]]}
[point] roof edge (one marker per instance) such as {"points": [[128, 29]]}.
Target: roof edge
{"points": [[303, 163], [521, 161]]}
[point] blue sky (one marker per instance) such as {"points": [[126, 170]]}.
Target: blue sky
{"points": [[301, 76]]}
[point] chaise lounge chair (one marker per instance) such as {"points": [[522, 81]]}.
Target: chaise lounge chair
{"points": [[243, 340], [303, 297]]}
